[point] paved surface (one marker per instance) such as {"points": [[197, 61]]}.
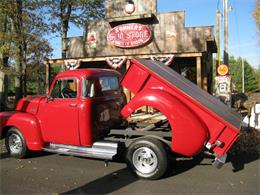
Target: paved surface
{"points": [[58, 174]]}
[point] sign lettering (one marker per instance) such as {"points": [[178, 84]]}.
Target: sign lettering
{"points": [[129, 35]]}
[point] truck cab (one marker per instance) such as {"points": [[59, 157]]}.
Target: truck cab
{"points": [[80, 108], [82, 105]]}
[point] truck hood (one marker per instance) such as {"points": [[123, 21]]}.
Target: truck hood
{"points": [[29, 104]]}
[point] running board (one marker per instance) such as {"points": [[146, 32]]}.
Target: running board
{"points": [[100, 150]]}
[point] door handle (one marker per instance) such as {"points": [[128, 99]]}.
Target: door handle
{"points": [[73, 105]]}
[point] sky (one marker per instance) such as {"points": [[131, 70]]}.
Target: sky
{"points": [[244, 41]]}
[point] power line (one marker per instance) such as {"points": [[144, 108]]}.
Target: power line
{"points": [[218, 4]]}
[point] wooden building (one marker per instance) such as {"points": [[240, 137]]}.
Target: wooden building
{"points": [[134, 29]]}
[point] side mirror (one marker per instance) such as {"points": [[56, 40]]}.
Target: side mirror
{"points": [[49, 98]]}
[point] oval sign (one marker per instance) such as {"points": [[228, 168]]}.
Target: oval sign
{"points": [[222, 69], [129, 35]]}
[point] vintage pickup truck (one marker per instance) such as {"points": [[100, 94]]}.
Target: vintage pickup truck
{"points": [[84, 115]]}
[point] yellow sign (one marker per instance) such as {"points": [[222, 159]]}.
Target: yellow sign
{"points": [[222, 70]]}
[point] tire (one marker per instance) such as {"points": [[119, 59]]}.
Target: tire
{"points": [[15, 143], [147, 158]]}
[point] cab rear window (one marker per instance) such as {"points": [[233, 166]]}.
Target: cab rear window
{"points": [[109, 83]]}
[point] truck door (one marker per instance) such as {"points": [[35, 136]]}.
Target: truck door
{"points": [[59, 114], [107, 105]]}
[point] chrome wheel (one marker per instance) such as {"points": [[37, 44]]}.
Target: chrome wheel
{"points": [[145, 160], [15, 144]]}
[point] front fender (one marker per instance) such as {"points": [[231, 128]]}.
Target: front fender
{"points": [[28, 126], [189, 133]]}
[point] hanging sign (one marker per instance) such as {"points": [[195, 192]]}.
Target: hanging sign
{"points": [[129, 35], [222, 70], [166, 59], [116, 62], [72, 64], [92, 40]]}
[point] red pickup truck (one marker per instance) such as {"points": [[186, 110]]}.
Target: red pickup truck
{"points": [[84, 115]]}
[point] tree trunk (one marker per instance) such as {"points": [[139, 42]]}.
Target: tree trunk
{"points": [[3, 77], [2, 98], [20, 66], [65, 9]]}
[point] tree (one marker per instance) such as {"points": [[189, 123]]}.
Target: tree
{"points": [[251, 83], [257, 72], [5, 50], [63, 12], [26, 27], [257, 14]]}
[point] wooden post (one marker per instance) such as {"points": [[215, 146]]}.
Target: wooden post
{"points": [[198, 70], [47, 77], [218, 16], [204, 78], [127, 92], [226, 55]]}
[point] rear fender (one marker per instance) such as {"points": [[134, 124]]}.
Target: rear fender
{"points": [[189, 133], [28, 126]]}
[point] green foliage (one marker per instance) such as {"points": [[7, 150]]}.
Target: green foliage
{"points": [[251, 82], [23, 24], [77, 12], [22, 46], [55, 69], [257, 14], [257, 72]]}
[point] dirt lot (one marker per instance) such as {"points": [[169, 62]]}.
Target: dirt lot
{"points": [[57, 174]]}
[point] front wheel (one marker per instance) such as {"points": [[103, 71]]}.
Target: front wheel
{"points": [[147, 158], [15, 143]]}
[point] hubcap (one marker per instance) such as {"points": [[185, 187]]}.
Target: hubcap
{"points": [[145, 160], [15, 143]]}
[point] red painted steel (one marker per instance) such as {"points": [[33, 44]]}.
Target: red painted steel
{"points": [[73, 121], [189, 132], [28, 125], [83, 120], [185, 115]]}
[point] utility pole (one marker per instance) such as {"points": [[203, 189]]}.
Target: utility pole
{"points": [[218, 16], [226, 57], [243, 76], [223, 79]]}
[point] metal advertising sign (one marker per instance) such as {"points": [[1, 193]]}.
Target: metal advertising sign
{"points": [[92, 40], [129, 35], [222, 70], [222, 86]]}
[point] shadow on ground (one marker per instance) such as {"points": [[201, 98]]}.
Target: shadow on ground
{"points": [[31, 155], [123, 177], [106, 184], [4, 155], [245, 150]]}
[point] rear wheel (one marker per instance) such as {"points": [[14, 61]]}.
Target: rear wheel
{"points": [[15, 143], [147, 158]]}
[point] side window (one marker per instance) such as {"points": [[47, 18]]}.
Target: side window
{"points": [[56, 90], [88, 88], [109, 83], [65, 88]]}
